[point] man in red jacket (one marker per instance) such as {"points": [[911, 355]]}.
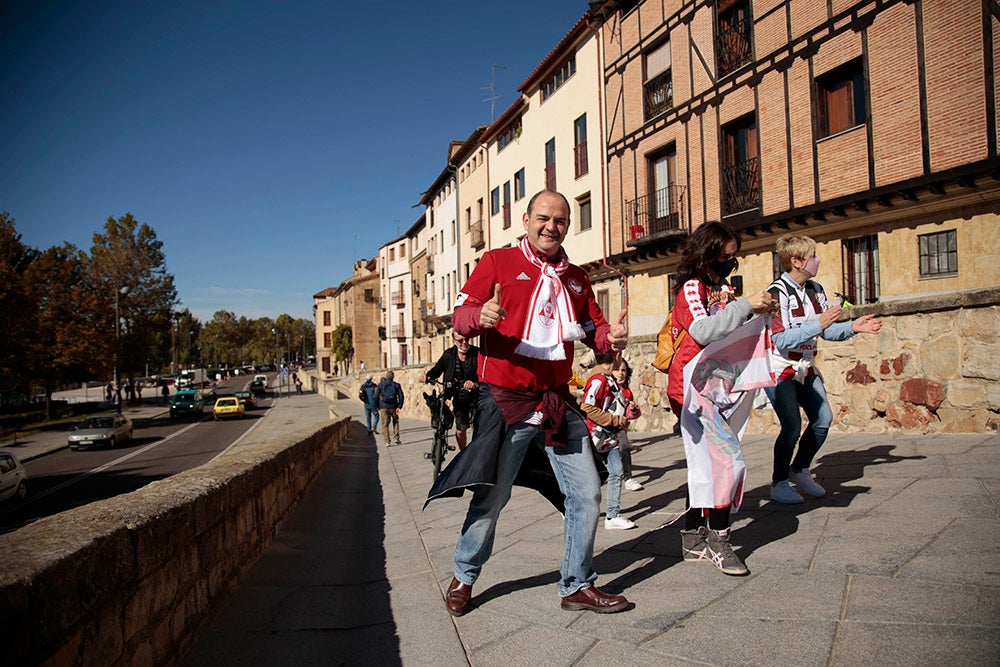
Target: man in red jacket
{"points": [[528, 305]]}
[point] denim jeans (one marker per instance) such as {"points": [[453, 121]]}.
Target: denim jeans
{"points": [[372, 423], [576, 473], [786, 398], [613, 462]]}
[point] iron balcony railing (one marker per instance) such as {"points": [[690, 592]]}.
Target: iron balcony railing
{"points": [[655, 213], [398, 298], [732, 44], [658, 94], [476, 236], [398, 331], [430, 264], [580, 164], [741, 187]]}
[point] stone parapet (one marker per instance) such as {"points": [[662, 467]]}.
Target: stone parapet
{"points": [[131, 580]]}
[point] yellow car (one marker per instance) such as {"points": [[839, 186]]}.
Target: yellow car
{"points": [[228, 406]]}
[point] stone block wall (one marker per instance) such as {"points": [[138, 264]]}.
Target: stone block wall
{"points": [[131, 580], [933, 368]]}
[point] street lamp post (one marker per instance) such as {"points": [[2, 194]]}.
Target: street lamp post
{"points": [[121, 291]]}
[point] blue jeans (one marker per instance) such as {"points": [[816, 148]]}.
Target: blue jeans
{"points": [[372, 423], [576, 473], [786, 398], [613, 462]]}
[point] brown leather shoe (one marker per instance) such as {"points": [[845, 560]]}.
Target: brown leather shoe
{"points": [[457, 598], [593, 599]]}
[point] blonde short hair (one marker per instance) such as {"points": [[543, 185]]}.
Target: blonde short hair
{"points": [[792, 245]]}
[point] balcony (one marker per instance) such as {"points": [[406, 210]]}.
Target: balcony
{"points": [[398, 331], [658, 95], [741, 187], [656, 214], [476, 236], [732, 44], [398, 298], [430, 264], [580, 164]]}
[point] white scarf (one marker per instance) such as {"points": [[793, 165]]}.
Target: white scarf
{"points": [[550, 320]]}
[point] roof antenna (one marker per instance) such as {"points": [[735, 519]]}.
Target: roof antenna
{"points": [[492, 99]]}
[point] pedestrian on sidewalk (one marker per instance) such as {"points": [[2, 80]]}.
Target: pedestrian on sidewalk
{"points": [[706, 310], [366, 394], [389, 396], [609, 406], [511, 301], [804, 315]]}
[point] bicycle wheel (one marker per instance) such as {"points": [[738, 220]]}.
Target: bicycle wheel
{"points": [[437, 455]]}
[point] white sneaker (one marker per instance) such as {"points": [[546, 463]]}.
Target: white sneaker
{"points": [[784, 493], [633, 484], [618, 523], [804, 480]]}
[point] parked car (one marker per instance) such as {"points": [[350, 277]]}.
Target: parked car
{"points": [[187, 402], [13, 479], [227, 406], [258, 388], [100, 430], [248, 400]]}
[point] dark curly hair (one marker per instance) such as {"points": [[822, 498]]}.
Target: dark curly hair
{"points": [[702, 248]]}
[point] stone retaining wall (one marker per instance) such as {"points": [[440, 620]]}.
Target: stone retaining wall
{"points": [[933, 369], [132, 579]]}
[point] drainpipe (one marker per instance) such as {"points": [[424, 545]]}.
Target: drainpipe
{"points": [[606, 229], [453, 168]]}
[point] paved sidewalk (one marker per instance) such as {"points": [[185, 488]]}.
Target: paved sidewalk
{"points": [[898, 565]]}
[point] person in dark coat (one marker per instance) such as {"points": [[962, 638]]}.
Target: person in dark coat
{"points": [[389, 396], [457, 370]]}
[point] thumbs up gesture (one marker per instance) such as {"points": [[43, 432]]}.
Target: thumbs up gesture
{"points": [[492, 312], [618, 334]]}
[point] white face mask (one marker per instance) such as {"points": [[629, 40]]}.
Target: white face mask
{"points": [[811, 266]]}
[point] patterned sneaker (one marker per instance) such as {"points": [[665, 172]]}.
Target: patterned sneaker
{"points": [[633, 484], [722, 554], [618, 523], [693, 545], [784, 493], [804, 480]]}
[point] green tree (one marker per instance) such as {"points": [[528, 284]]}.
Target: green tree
{"points": [[64, 343], [17, 310], [343, 343], [128, 255]]}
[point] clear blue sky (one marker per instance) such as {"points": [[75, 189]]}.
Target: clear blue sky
{"points": [[269, 144]]}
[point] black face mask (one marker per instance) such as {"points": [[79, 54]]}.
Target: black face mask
{"points": [[723, 268]]}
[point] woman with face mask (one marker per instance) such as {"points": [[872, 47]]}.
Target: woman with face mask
{"points": [[803, 315], [706, 310]]}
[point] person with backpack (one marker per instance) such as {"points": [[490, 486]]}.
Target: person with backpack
{"points": [[706, 310], [804, 315], [609, 406], [389, 397], [366, 394]]}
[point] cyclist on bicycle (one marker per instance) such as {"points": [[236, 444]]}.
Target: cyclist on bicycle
{"points": [[458, 367]]}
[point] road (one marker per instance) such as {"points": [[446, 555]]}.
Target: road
{"points": [[160, 448]]}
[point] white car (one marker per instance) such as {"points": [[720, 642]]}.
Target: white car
{"points": [[101, 430], [13, 479]]}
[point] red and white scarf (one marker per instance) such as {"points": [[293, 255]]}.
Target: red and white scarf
{"points": [[550, 320]]}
